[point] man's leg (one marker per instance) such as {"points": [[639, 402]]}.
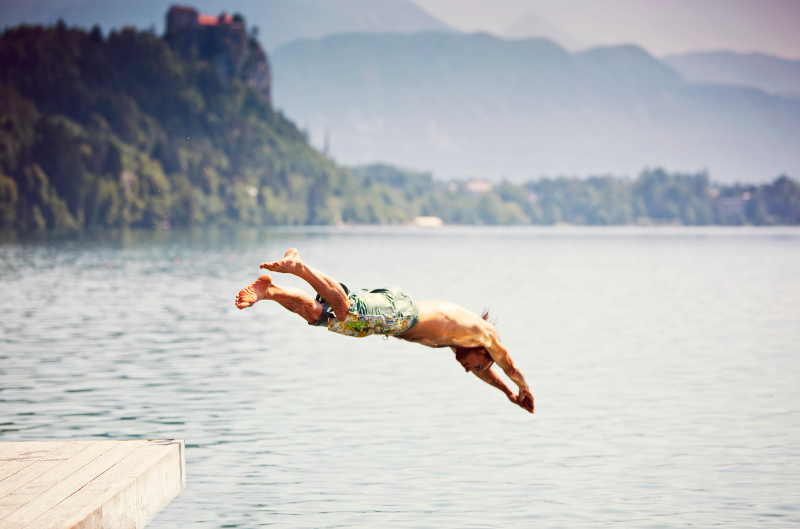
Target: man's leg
{"points": [[328, 289], [292, 299]]}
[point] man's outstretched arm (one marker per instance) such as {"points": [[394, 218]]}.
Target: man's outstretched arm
{"points": [[500, 355], [491, 378]]}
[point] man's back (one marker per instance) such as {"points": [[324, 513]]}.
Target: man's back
{"points": [[445, 324]]}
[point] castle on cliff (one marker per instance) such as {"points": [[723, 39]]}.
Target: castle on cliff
{"points": [[184, 16], [223, 42]]}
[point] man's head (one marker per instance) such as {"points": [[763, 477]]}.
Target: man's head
{"points": [[474, 359]]}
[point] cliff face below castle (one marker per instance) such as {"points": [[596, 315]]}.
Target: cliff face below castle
{"points": [[229, 49]]}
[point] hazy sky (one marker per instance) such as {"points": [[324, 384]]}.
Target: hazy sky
{"points": [[661, 26]]}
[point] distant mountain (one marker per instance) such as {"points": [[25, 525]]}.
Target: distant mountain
{"points": [[532, 26], [767, 73], [476, 105], [279, 21]]}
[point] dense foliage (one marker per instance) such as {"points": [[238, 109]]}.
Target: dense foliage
{"points": [[121, 131]]}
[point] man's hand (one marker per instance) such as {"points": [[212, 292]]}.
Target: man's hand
{"points": [[524, 400]]}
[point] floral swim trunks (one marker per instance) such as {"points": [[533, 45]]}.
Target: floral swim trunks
{"points": [[387, 311]]}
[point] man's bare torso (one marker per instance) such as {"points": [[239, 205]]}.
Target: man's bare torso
{"points": [[445, 324]]}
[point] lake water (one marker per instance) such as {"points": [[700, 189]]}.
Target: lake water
{"points": [[665, 365]]}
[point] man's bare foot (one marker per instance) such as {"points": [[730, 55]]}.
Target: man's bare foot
{"points": [[248, 296], [287, 265]]}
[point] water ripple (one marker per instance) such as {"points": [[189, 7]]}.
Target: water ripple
{"points": [[664, 364]]}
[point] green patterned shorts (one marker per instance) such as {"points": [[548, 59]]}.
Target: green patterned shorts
{"points": [[386, 311]]}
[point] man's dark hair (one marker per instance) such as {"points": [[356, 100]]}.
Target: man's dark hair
{"points": [[463, 351]]}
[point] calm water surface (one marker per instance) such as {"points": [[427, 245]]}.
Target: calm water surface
{"points": [[665, 365]]}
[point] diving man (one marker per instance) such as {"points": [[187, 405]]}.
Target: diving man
{"points": [[392, 312]]}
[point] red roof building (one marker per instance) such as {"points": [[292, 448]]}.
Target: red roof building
{"points": [[181, 16]]}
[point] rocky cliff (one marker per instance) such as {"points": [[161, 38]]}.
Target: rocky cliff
{"points": [[222, 41]]}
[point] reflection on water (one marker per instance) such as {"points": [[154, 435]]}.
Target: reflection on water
{"points": [[664, 365]]}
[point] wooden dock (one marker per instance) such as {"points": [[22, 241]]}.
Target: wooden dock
{"points": [[88, 484]]}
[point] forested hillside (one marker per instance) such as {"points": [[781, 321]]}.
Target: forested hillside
{"points": [[120, 131]]}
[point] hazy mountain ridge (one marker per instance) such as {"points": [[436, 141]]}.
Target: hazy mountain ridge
{"points": [[478, 105], [764, 72], [532, 26]]}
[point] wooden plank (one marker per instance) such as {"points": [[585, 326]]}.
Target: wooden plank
{"points": [[89, 484], [19, 448], [28, 502], [26, 455], [129, 494], [8, 445], [14, 465], [24, 475], [153, 489], [26, 450], [158, 485], [157, 481]]}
